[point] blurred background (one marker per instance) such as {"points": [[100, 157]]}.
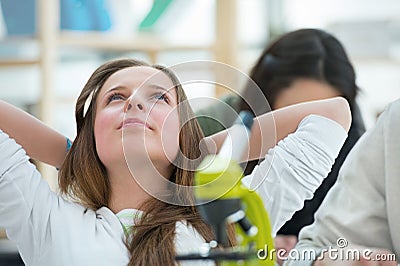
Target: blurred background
{"points": [[49, 48]]}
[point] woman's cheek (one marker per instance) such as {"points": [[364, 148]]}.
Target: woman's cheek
{"points": [[170, 136], [108, 139]]}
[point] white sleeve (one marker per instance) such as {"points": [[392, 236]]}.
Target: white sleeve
{"points": [[188, 241], [296, 167], [357, 209], [24, 195]]}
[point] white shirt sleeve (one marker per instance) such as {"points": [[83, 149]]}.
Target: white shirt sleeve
{"points": [[47, 229], [296, 167], [24, 199], [189, 241]]}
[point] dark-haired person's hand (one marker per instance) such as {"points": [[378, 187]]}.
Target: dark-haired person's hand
{"points": [[284, 242]]}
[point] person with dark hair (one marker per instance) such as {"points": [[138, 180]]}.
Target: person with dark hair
{"points": [[300, 66], [306, 54]]}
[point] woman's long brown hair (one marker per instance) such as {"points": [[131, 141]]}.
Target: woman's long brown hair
{"points": [[84, 178]]}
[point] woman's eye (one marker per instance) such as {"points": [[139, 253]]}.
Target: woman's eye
{"points": [[161, 97], [114, 97]]}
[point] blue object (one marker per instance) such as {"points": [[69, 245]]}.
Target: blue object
{"points": [[81, 15], [85, 15], [19, 16], [69, 144]]}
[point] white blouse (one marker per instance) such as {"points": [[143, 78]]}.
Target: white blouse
{"points": [[49, 230]]}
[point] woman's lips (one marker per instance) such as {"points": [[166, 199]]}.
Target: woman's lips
{"points": [[134, 122]]}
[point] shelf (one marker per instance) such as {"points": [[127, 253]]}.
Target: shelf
{"points": [[17, 39], [18, 62], [2, 234], [106, 41]]}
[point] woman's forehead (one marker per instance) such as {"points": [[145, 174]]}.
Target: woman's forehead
{"points": [[137, 76]]}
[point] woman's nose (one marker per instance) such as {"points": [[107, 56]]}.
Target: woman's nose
{"points": [[132, 102]]}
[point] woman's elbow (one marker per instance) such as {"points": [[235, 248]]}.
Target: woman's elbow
{"points": [[341, 112]]}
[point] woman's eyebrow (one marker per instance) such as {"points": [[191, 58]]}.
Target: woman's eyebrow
{"points": [[158, 87], [151, 86], [155, 86], [117, 88]]}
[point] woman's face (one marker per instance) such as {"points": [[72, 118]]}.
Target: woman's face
{"points": [[136, 116], [303, 90]]}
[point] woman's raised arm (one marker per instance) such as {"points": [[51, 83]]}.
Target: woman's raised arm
{"points": [[39, 141], [268, 129]]}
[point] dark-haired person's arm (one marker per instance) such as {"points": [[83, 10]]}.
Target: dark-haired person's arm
{"points": [[40, 141]]}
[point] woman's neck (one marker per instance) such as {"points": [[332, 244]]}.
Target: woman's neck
{"points": [[130, 189], [126, 193]]}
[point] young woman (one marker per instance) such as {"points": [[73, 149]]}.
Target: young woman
{"points": [[133, 114]]}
